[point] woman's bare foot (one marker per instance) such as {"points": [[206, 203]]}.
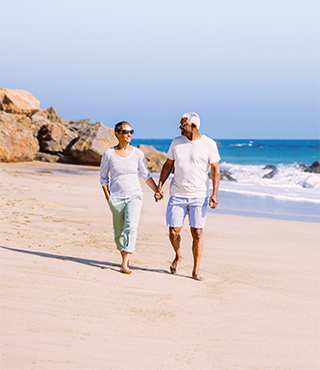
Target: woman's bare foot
{"points": [[175, 264], [125, 270], [197, 277]]}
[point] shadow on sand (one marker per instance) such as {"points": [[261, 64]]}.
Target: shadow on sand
{"points": [[93, 263]]}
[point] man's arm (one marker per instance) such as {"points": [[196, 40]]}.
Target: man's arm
{"points": [[164, 174], [215, 176]]}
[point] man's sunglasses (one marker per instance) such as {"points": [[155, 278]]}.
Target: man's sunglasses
{"points": [[126, 132], [183, 124]]}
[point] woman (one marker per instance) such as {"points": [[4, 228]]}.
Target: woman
{"points": [[119, 171]]}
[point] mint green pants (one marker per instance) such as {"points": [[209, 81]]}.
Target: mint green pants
{"points": [[126, 213]]}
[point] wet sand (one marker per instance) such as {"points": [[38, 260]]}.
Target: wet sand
{"points": [[64, 304]]}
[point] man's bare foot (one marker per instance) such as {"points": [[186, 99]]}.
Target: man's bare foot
{"points": [[197, 277], [175, 264]]}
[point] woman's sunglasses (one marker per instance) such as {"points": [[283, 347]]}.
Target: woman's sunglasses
{"points": [[126, 132]]}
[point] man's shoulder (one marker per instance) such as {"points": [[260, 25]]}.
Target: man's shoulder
{"points": [[179, 139], [208, 140]]}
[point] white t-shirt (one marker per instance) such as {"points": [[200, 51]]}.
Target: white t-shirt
{"points": [[192, 159], [122, 174]]}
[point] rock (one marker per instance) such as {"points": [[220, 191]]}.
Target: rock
{"points": [[55, 138], [46, 157], [217, 143], [17, 101], [270, 167], [225, 175], [38, 120], [271, 174], [17, 142], [154, 158], [51, 115], [92, 143], [273, 171], [314, 168], [67, 159], [80, 127]]}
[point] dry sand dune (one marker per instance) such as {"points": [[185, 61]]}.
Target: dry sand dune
{"points": [[64, 305]]}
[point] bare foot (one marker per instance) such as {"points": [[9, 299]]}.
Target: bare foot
{"points": [[175, 264], [125, 271], [197, 277]]}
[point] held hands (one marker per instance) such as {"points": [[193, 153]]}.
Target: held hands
{"points": [[213, 201], [158, 195]]}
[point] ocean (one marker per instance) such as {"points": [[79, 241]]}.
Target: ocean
{"points": [[290, 194]]}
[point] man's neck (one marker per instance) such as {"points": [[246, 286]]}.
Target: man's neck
{"points": [[192, 136]]}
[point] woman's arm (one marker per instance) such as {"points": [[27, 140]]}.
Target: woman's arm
{"points": [[105, 189], [152, 185]]}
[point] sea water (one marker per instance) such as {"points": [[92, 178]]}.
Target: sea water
{"points": [[290, 194]]}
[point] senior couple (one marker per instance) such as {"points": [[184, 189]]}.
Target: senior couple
{"points": [[192, 155]]}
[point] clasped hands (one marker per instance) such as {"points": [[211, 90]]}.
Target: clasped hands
{"points": [[158, 195]]}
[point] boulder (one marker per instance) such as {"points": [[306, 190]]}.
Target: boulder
{"points": [[55, 138], [46, 157], [17, 101], [314, 168], [38, 120], [80, 127], [43, 117], [17, 142], [225, 175], [270, 174], [154, 158], [93, 142]]}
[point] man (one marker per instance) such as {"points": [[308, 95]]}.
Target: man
{"points": [[191, 155]]}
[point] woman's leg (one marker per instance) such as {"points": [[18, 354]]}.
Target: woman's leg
{"points": [[117, 207], [131, 222], [125, 262]]}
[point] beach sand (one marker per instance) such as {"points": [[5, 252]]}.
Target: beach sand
{"points": [[64, 304]]}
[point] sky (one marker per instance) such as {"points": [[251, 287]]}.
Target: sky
{"points": [[250, 69]]}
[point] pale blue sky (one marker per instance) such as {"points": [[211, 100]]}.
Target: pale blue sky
{"points": [[250, 69]]}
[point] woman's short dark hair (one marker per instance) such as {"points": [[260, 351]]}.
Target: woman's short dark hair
{"points": [[118, 126]]}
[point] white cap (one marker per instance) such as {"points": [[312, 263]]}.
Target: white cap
{"points": [[192, 118]]}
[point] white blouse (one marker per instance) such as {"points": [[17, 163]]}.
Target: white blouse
{"points": [[122, 174]]}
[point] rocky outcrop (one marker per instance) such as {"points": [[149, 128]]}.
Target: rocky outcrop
{"points": [[25, 128], [17, 142], [314, 168], [154, 158]]}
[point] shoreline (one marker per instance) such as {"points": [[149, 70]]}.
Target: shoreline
{"points": [[231, 203], [64, 303]]}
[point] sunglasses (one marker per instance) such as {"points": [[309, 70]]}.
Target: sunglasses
{"points": [[126, 132], [182, 124]]}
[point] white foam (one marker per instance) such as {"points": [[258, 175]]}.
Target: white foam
{"points": [[288, 183]]}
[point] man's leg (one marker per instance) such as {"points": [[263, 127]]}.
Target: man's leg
{"points": [[175, 238], [197, 246]]}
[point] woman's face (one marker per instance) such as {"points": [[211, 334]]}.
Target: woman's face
{"points": [[124, 137]]}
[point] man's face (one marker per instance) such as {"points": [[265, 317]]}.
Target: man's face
{"points": [[185, 127]]}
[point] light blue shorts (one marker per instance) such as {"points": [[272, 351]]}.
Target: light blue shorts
{"points": [[178, 208]]}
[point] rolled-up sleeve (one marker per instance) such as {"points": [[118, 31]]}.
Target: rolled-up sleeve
{"points": [[104, 170], [142, 167]]}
